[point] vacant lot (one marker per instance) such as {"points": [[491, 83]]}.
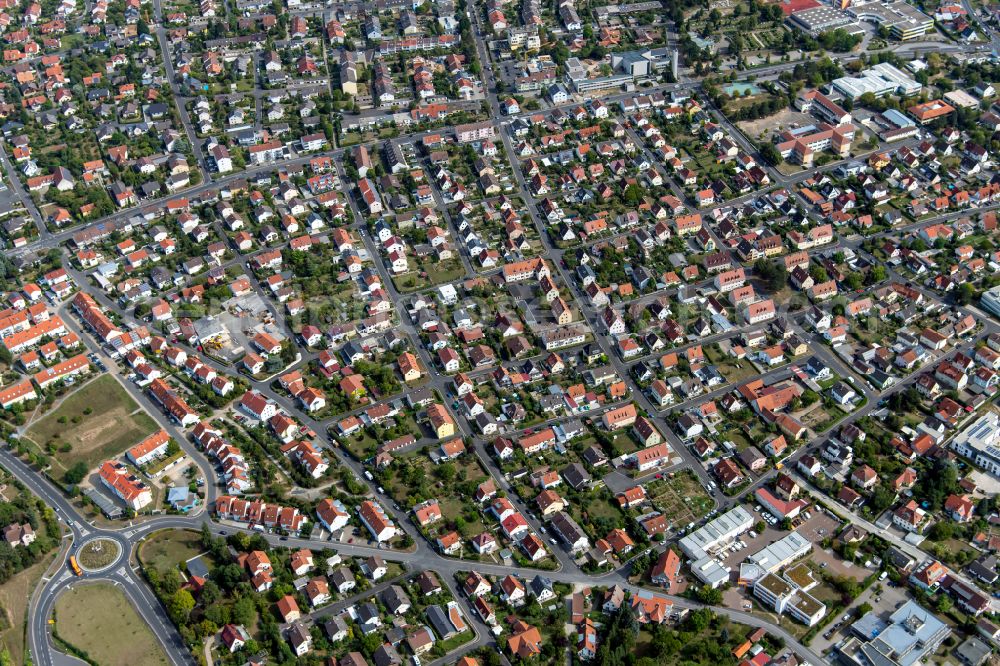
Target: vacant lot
{"points": [[99, 620], [733, 370], [429, 272], [681, 499], [170, 548], [14, 596], [820, 418], [114, 423], [777, 122]]}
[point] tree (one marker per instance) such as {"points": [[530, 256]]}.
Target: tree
{"points": [[839, 40], [709, 595], [941, 531], [698, 621], [210, 593], [809, 397], [244, 611], [75, 474], [934, 487], [180, 606], [876, 274], [772, 272], [770, 153], [966, 292], [632, 195]]}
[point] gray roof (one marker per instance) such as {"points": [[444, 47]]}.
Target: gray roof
{"points": [[334, 625], [539, 584], [394, 597], [439, 620], [367, 612], [911, 633], [386, 655], [576, 475], [973, 651]]}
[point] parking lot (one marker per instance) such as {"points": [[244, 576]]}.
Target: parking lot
{"points": [[884, 599], [816, 528]]}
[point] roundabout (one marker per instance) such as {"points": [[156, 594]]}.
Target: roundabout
{"points": [[99, 554]]}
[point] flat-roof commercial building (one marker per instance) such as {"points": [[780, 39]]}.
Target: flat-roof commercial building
{"points": [[721, 531], [784, 597], [817, 20], [898, 119], [961, 99], [710, 571], [991, 300], [880, 80], [894, 126], [903, 20], [644, 63], [980, 442], [601, 83], [905, 638], [781, 552]]}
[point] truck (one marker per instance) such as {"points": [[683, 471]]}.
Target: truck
{"points": [[77, 571]]}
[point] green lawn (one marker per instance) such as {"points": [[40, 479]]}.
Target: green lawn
{"points": [[738, 439], [727, 366], [594, 509], [114, 423], [436, 273], [169, 548], [98, 554]]}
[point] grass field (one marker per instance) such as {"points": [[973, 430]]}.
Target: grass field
{"points": [[114, 423], [438, 272], [170, 548], [14, 595], [735, 371], [99, 620]]}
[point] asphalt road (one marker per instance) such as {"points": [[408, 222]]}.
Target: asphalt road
{"points": [[422, 556]]}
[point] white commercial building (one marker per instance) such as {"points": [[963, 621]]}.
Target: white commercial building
{"points": [[981, 443], [781, 552], [710, 571], [783, 597], [991, 300], [719, 532], [880, 80]]}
